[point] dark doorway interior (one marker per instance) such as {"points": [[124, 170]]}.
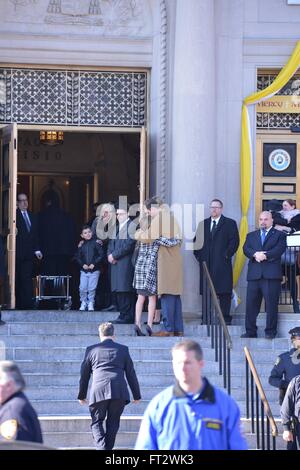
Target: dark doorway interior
{"points": [[86, 168]]}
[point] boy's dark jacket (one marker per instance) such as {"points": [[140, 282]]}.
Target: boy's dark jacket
{"points": [[90, 252]]}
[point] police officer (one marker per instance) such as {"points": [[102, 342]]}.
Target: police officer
{"points": [[286, 367], [290, 414], [18, 420]]}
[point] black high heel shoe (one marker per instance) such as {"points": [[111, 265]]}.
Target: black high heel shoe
{"points": [[138, 331], [148, 329]]}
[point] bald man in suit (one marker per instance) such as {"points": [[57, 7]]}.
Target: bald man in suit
{"points": [[263, 248]]}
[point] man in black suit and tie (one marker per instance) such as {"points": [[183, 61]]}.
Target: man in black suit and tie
{"points": [[119, 255], [107, 362], [221, 240], [26, 248], [264, 248]]}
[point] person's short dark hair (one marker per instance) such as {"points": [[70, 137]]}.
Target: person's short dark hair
{"points": [[85, 227], [153, 201], [106, 329], [21, 194], [218, 201], [295, 331], [13, 372], [189, 345], [291, 202]]}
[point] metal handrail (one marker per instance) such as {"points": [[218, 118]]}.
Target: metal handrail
{"points": [[217, 329], [262, 407]]}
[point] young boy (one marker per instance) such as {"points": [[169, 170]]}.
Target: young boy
{"points": [[89, 256]]}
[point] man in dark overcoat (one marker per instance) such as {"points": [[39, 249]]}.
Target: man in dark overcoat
{"points": [[27, 247], [119, 254], [220, 242], [107, 363], [57, 238]]}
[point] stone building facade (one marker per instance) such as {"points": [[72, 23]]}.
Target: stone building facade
{"points": [[201, 59]]}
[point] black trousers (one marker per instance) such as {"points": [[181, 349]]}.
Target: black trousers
{"points": [[126, 305], [269, 289], [24, 287], [225, 304], [111, 410]]}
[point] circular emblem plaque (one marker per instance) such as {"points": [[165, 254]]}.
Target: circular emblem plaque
{"points": [[279, 160]]}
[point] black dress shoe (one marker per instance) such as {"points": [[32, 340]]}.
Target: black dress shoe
{"points": [[296, 307], [246, 335], [228, 321], [2, 322], [111, 308], [270, 336]]}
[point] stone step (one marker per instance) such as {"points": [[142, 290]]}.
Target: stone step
{"points": [[91, 328], [159, 366], [82, 423], [62, 380], [70, 392], [147, 352], [128, 423], [84, 439], [57, 316], [73, 367], [72, 407], [127, 439]]}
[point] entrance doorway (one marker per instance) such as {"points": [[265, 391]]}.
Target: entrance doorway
{"points": [[91, 166], [87, 168], [277, 168]]}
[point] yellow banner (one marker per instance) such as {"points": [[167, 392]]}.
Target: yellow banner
{"points": [[280, 104]]}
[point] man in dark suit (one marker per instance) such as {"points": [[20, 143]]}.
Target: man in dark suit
{"points": [[221, 240], [26, 248], [264, 248], [119, 254], [107, 362]]}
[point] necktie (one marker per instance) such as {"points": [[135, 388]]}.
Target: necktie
{"points": [[214, 228], [263, 235], [27, 221]]}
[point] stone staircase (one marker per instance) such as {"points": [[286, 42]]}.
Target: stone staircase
{"points": [[49, 347]]}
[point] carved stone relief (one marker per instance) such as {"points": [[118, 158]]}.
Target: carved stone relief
{"points": [[103, 17]]}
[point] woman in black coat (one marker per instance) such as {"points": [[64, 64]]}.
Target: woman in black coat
{"points": [[287, 220]]}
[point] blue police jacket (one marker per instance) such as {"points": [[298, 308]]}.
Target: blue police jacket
{"points": [[176, 421], [19, 421]]}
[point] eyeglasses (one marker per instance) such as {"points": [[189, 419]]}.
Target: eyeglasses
{"points": [[215, 207], [22, 200]]}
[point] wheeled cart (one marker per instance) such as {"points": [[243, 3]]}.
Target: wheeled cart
{"points": [[55, 288]]}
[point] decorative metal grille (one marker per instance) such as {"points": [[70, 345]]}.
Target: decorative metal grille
{"points": [[82, 98], [278, 120]]}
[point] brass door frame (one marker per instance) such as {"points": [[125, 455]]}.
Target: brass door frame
{"points": [[273, 137], [9, 136]]}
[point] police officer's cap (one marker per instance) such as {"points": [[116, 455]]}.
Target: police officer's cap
{"points": [[295, 331]]}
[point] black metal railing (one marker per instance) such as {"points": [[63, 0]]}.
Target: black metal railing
{"points": [[290, 270], [216, 328], [258, 409]]}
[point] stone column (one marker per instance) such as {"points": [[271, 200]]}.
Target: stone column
{"points": [[192, 153]]}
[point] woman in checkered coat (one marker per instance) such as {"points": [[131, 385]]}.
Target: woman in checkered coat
{"points": [[145, 276]]}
